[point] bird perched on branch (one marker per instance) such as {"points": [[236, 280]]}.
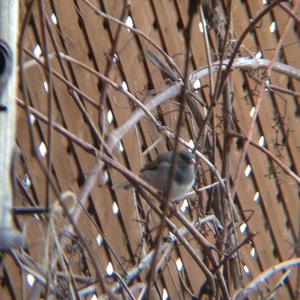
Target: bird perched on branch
{"points": [[157, 174]]}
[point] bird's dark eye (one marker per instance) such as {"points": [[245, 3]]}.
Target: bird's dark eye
{"points": [[187, 156]]}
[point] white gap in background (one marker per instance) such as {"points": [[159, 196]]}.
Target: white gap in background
{"points": [[273, 27], [26, 181], [99, 239], [129, 22], [115, 208], [256, 197], [42, 149], [121, 148], [201, 28], [30, 280], [258, 55], [246, 269], [253, 252], [115, 58], [124, 86], [37, 51], [267, 84], [248, 171], [197, 84], [191, 144], [46, 87], [261, 141], [243, 227], [165, 295], [110, 117], [103, 179], [53, 18], [184, 206], [109, 269], [179, 264], [252, 112], [32, 119]]}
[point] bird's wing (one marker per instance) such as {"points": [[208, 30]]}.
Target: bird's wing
{"points": [[163, 158]]}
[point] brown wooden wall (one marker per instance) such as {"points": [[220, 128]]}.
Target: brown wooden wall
{"points": [[117, 226]]}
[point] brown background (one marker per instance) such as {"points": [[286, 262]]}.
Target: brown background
{"points": [[82, 34]]}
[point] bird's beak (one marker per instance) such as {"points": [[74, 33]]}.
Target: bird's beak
{"points": [[192, 161]]}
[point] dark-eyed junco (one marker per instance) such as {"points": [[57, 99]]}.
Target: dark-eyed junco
{"points": [[157, 174]]}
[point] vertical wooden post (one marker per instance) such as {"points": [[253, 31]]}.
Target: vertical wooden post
{"points": [[9, 237]]}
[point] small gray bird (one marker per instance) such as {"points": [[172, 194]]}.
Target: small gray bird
{"points": [[157, 173]]}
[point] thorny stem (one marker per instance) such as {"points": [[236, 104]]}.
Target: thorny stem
{"points": [[130, 176], [109, 64], [258, 104], [48, 254], [151, 274], [263, 277], [285, 168], [36, 288], [179, 86], [135, 31]]}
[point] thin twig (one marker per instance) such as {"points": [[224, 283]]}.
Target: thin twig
{"points": [[263, 277], [108, 67], [285, 168], [130, 176], [259, 101], [135, 31]]}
